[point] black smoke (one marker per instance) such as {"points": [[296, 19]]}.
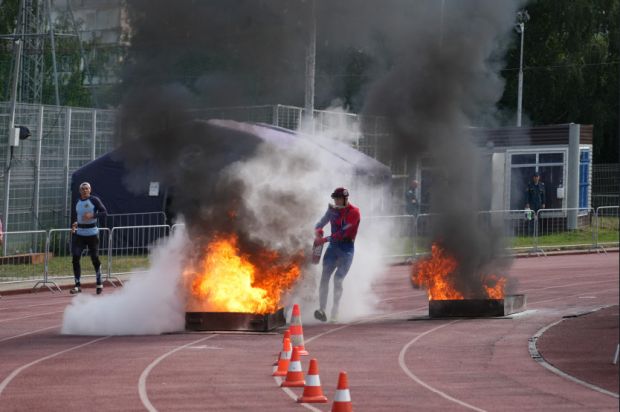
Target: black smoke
{"points": [[441, 76], [447, 81]]}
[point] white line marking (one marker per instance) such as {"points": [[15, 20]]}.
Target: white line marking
{"points": [[144, 397], [291, 394], [537, 357], [403, 366], [29, 333], [17, 371], [32, 316]]}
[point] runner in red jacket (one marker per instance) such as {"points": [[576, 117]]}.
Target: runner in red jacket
{"points": [[345, 220]]}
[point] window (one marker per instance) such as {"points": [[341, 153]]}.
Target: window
{"points": [[550, 166], [584, 178]]}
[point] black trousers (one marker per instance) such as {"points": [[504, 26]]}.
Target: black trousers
{"points": [[78, 244]]}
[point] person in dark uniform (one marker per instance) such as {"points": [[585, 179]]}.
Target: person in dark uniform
{"points": [[86, 234], [412, 207], [535, 198]]}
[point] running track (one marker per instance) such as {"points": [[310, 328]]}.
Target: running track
{"points": [[394, 363]]}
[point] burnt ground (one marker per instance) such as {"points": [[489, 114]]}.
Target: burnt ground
{"points": [[394, 363]]}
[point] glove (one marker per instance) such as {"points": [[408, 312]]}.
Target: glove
{"points": [[318, 233], [324, 239]]}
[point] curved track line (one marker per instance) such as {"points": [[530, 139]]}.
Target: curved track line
{"points": [[29, 333], [17, 371], [403, 366], [144, 397], [291, 394], [538, 358], [571, 296]]}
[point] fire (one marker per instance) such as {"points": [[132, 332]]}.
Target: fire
{"points": [[228, 280], [437, 274]]}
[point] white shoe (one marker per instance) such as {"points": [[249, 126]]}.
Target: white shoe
{"points": [[75, 290]]}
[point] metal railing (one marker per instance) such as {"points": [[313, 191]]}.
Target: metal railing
{"points": [[23, 256], [130, 247], [45, 256], [135, 219], [608, 224], [59, 257]]}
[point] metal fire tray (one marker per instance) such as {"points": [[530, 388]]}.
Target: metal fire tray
{"points": [[477, 307], [232, 321]]}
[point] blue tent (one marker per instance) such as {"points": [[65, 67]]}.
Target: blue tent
{"points": [[135, 193]]}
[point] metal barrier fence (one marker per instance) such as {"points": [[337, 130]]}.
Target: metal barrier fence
{"points": [[563, 228], [130, 248], [176, 226], [46, 256], [607, 226], [23, 256], [135, 219], [399, 229], [58, 264]]}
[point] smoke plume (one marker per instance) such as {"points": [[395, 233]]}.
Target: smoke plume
{"points": [[441, 78], [447, 81]]}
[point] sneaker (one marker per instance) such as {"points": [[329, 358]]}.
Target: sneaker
{"points": [[75, 290], [320, 315], [333, 318], [99, 289]]}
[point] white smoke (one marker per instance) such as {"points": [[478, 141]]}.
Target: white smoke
{"points": [[313, 175], [154, 302], [149, 303]]}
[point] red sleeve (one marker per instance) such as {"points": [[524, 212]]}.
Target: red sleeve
{"points": [[352, 222]]}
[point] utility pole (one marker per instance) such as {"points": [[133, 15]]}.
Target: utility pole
{"points": [[311, 69], [522, 18]]}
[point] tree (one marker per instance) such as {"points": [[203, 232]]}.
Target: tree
{"points": [[571, 69]]}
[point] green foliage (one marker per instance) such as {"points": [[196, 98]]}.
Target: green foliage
{"points": [[571, 68]]}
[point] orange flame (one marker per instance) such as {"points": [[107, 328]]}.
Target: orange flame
{"points": [[436, 274], [229, 281]]}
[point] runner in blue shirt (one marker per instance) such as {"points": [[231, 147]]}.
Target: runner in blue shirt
{"points": [[86, 234]]}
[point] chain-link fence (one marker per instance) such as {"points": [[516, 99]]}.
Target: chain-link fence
{"points": [[605, 185], [36, 174]]}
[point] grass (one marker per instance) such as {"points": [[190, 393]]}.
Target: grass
{"points": [[60, 266]]}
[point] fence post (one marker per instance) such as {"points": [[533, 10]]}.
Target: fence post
{"points": [[109, 276], [276, 115], [66, 152], [37, 171], [93, 132], [46, 282]]}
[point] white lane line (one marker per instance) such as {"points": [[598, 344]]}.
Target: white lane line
{"points": [[571, 296], [569, 285], [535, 354], [359, 322], [144, 397], [291, 394], [403, 366], [411, 295], [32, 316], [29, 333], [17, 371]]}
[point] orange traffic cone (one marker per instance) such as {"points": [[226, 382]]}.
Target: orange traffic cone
{"points": [[287, 335], [297, 331], [284, 360], [312, 391], [294, 375], [342, 398]]}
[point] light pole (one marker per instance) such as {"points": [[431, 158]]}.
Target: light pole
{"points": [[522, 18]]}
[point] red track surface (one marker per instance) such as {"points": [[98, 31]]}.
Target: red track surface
{"points": [[394, 364]]}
